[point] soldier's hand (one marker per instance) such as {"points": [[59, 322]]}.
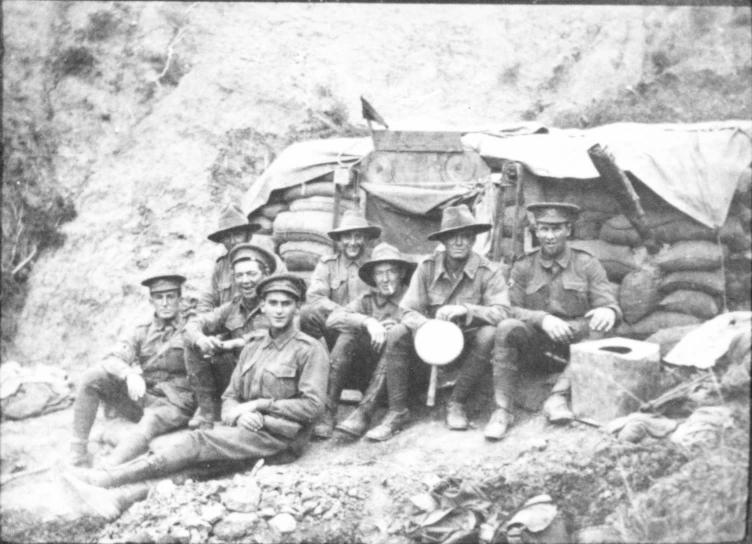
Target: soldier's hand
{"points": [[229, 345], [601, 319], [389, 323], [136, 386], [450, 312], [377, 332], [209, 344], [253, 421], [557, 329]]}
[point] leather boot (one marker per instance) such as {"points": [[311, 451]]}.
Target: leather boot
{"points": [[357, 423], [130, 446], [141, 468], [456, 418], [503, 366], [79, 455], [392, 423], [324, 429], [556, 406], [106, 503]]}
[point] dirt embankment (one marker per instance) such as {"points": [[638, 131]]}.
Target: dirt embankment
{"points": [[162, 112]]}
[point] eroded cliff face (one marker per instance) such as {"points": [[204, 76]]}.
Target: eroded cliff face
{"points": [[163, 112]]}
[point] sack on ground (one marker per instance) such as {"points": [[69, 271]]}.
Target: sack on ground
{"points": [[661, 320], [638, 295], [320, 204], [687, 301], [690, 255], [300, 256], [303, 226], [617, 260], [708, 282]]}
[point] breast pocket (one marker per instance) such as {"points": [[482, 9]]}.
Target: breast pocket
{"points": [[279, 382], [225, 291], [536, 296], [575, 303]]}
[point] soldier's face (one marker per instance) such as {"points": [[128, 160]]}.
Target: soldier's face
{"points": [[234, 238], [166, 304], [388, 278], [353, 244], [552, 238], [247, 275], [459, 245], [280, 309]]}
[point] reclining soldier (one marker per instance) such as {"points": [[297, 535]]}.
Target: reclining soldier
{"points": [[453, 285], [277, 391], [363, 325], [233, 229], [214, 340], [335, 281], [560, 296], [143, 378]]}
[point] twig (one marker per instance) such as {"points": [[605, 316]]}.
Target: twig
{"points": [[171, 47], [23, 263], [24, 473]]}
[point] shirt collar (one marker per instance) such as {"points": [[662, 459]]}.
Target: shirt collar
{"points": [[380, 300], [161, 324], [358, 262], [280, 341], [562, 260], [470, 268], [250, 305]]}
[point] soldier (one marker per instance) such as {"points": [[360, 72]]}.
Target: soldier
{"points": [[363, 325], [144, 378], [276, 393], [560, 295], [335, 281], [234, 229], [214, 340], [453, 285]]}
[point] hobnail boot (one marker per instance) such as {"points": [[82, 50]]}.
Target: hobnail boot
{"points": [[392, 423], [456, 418]]}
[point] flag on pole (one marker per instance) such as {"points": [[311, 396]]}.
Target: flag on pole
{"points": [[370, 114]]}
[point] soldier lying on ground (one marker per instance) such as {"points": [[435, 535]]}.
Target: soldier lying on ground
{"points": [[335, 281], [214, 340], [454, 285], [560, 296], [276, 392], [363, 325], [143, 378]]}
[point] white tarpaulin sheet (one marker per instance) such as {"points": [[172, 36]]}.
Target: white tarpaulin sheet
{"points": [[694, 167]]}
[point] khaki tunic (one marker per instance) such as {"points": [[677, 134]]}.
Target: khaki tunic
{"points": [[235, 319], [335, 282], [351, 317]]}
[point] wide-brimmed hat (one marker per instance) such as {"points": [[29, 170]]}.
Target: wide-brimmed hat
{"points": [[353, 221], [231, 219], [163, 281], [286, 283], [253, 253], [458, 218], [384, 253], [554, 212]]}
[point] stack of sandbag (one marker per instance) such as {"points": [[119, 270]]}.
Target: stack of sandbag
{"points": [[301, 228]]}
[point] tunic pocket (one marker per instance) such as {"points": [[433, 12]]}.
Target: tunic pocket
{"points": [[575, 302], [279, 382], [225, 292]]}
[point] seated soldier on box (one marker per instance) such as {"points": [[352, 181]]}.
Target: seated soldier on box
{"points": [[454, 285], [560, 296], [214, 340], [143, 378], [335, 281], [233, 229], [363, 325], [276, 393]]}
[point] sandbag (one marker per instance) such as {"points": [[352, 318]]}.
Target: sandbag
{"points": [[316, 188], [270, 211], [668, 227], [696, 303], [638, 295], [732, 234], [265, 224], [662, 320], [617, 260], [303, 226], [708, 282], [320, 204], [668, 338], [591, 198], [587, 230], [690, 255], [301, 256]]}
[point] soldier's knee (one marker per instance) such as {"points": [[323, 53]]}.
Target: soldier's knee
{"points": [[398, 335], [509, 332], [92, 378]]}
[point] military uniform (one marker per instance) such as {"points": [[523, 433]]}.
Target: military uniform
{"points": [[334, 283], [169, 401]]}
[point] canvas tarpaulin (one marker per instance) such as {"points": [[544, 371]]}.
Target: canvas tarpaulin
{"points": [[695, 167]]}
